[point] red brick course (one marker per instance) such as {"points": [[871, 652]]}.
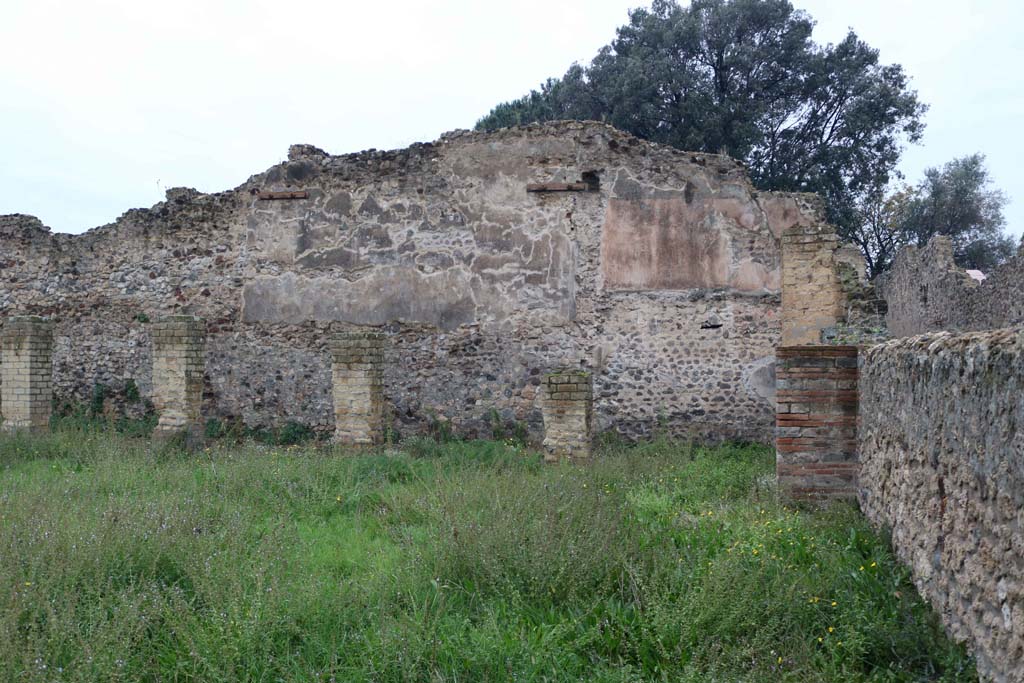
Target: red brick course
{"points": [[816, 422]]}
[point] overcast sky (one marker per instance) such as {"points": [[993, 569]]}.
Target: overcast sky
{"points": [[106, 103]]}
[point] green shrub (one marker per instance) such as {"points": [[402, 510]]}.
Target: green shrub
{"points": [[98, 397], [131, 391]]}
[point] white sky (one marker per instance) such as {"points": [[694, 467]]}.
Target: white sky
{"points": [[106, 103]]}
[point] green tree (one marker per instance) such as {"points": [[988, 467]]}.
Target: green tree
{"points": [[959, 201], [956, 200], [744, 78], [877, 230]]}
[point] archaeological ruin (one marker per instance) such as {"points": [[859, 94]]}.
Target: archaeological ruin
{"points": [[487, 260], [568, 279]]}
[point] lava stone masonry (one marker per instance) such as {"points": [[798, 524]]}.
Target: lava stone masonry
{"points": [[662, 278], [942, 465]]}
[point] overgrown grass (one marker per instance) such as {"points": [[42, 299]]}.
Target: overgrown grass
{"points": [[121, 561]]}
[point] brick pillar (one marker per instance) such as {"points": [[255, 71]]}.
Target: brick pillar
{"points": [[27, 373], [816, 422], [357, 362], [179, 361], [567, 406]]}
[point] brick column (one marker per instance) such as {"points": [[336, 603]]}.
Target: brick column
{"points": [[26, 377], [357, 362], [567, 406], [816, 422], [179, 361]]}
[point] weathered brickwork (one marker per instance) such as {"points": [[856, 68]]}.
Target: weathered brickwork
{"points": [[568, 428], [178, 368], [662, 278], [26, 350], [942, 465], [357, 362], [812, 293], [927, 292], [816, 422]]}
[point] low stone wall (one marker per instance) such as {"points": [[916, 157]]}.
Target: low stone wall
{"points": [[816, 422], [942, 464]]}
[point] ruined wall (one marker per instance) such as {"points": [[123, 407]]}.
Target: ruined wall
{"points": [[927, 292], [657, 270], [942, 464]]}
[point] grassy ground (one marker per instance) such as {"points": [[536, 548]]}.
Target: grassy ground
{"points": [[468, 562]]}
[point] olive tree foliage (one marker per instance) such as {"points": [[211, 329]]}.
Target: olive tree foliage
{"points": [[957, 200], [960, 202], [744, 78]]}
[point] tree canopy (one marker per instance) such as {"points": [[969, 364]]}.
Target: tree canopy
{"points": [[745, 78], [957, 200]]}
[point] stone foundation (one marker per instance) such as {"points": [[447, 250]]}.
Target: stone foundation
{"points": [[27, 371], [567, 407], [357, 361], [816, 422], [178, 366]]}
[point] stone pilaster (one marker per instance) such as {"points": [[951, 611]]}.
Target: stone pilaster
{"points": [[812, 294], [26, 379], [179, 361], [357, 362], [567, 406]]}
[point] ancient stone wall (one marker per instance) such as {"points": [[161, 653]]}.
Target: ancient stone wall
{"points": [[927, 292], [816, 422], [812, 294], [488, 259], [942, 465]]}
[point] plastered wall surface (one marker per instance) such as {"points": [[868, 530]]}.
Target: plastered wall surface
{"points": [[662, 278], [942, 464]]}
